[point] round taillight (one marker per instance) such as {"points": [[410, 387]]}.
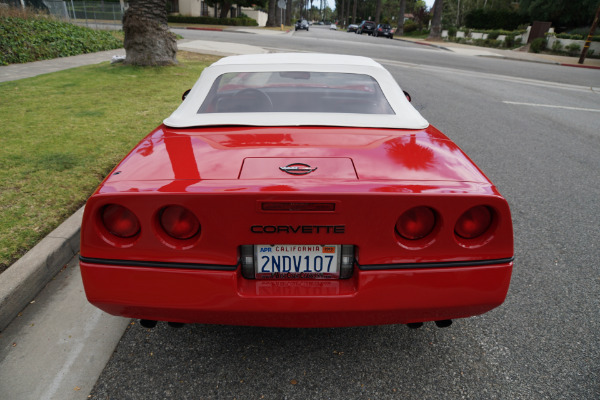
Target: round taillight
{"points": [[179, 222], [119, 221], [416, 223], [474, 222]]}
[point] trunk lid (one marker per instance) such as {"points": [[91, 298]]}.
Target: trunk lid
{"points": [[241, 153]]}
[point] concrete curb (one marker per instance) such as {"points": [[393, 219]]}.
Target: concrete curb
{"points": [[579, 66], [501, 57], [437, 46], [23, 280], [204, 29]]}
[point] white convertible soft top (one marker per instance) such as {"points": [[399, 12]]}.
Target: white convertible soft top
{"points": [[402, 115]]}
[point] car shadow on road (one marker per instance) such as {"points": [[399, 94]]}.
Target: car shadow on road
{"points": [[213, 361]]}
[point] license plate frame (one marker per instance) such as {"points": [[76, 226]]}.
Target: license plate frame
{"points": [[293, 261]]}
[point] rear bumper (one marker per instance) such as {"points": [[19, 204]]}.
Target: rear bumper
{"points": [[370, 297]]}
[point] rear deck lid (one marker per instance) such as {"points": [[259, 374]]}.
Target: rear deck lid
{"points": [[281, 168]]}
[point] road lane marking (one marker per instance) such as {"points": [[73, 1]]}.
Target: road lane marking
{"points": [[551, 106], [486, 75]]}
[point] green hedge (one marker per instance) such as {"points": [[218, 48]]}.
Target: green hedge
{"points": [[576, 37], [409, 26], [537, 45], [42, 38], [212, 21]]}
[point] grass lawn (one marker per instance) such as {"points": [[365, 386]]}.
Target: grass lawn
{"points": [[63, 132]]}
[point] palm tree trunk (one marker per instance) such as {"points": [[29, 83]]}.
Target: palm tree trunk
{"points": [[272, 18], [436, 22], [288, 13], [346, 23], [400, 28], [148, 41], [225, 9], [377, 12]]}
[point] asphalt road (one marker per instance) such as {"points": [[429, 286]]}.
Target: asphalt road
{"points": [[543, 343], [322, 40]]}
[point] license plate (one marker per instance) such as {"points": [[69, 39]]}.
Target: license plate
{"points": [[292, 261]]}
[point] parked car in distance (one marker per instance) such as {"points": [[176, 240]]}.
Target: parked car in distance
{"points": [[366, 27], [333, 27], [384, 30], [296, 190], [352, 27], [302, 24]]}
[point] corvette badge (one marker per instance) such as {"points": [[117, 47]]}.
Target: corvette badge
{"points": [[298, 169]]}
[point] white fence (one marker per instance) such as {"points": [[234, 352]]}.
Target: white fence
{"points": [[551, 39], [595, 46], [481, 35]]}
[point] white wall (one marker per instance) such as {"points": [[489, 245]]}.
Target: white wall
{"points": [[190, 8], [565, 42], [259, 16]]}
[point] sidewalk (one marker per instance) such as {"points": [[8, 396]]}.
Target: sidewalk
{"points": [[15, 72], [516, 55], [218, 48]]}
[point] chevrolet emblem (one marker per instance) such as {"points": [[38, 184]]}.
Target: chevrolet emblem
{"points": [[298, 169]]}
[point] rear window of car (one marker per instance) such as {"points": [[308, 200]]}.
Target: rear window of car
{"points": [[296, 92]]}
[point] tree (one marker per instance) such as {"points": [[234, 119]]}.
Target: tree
{"points": [[377, 12], [288, 13], [341, 16], [456, 10], [225, 7], [401, 12], [421, 14], [346, 23], [148, 41], [272, 15], [436, 22], [562, 13]]}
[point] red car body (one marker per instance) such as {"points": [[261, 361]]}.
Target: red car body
{"points": [[363, 182]]}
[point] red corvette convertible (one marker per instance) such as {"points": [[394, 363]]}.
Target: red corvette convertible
{"points": [[288, 193]]}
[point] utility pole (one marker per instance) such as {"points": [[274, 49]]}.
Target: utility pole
{"points": [[586, 47]]}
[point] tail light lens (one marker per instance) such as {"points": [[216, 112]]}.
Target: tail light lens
{"points": [[416, 223], [119, 221], [474, 222], [179, 222]]}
